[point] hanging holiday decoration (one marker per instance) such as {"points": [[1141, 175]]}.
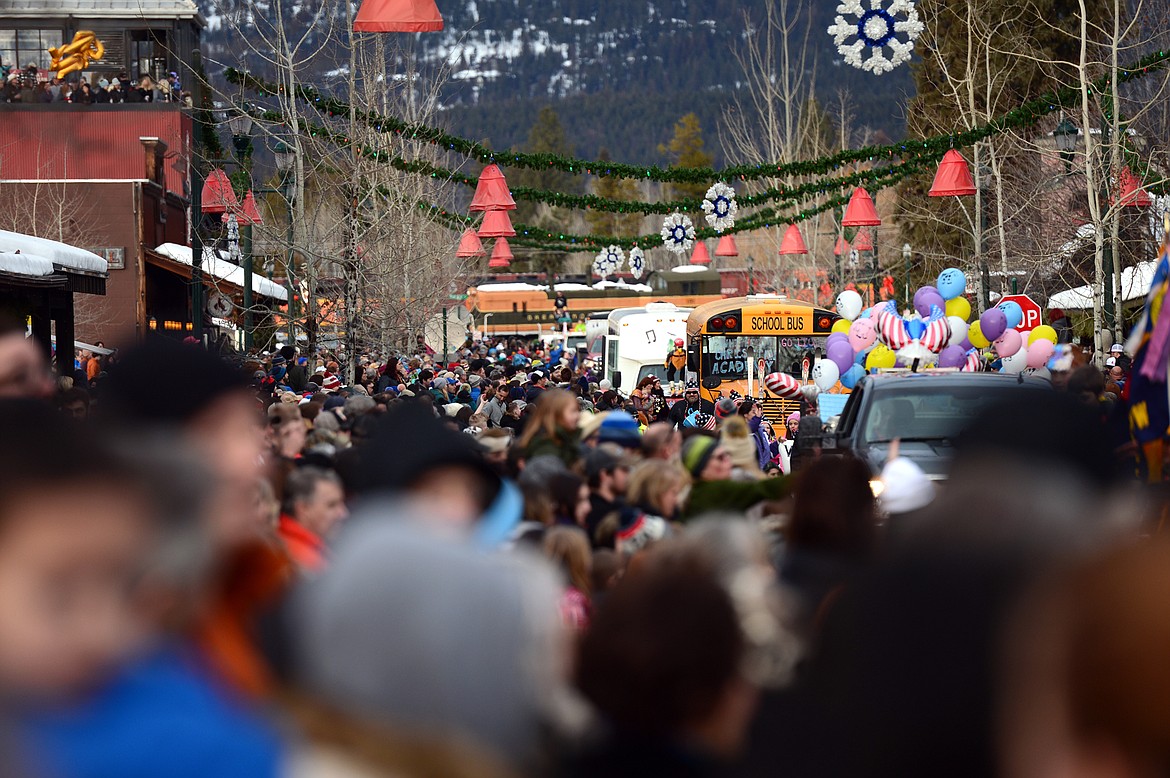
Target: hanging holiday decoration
{"points": [[491, 192], [862, 241], [637, 262], [700, 256], [496, 224], [727, 247], [876, 29], [601, 267], [217, 195], [720, 207], [469, 245], [860, 211], [678, 233], [842, 248], [612, 257], [793, 243], [501, 254], [398, 16], [953, 178]]}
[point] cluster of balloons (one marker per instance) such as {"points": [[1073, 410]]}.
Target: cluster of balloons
{"points": [[939, 332]]}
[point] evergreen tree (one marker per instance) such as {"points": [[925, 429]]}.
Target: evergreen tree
{"points": [[607, 223], [546, 136], [686, 150]]}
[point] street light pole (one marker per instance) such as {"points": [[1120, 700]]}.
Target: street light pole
{"points": [[907, 255], [197, 122]]}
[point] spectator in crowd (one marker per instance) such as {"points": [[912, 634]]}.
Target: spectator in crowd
{"points": [[313, 508]]}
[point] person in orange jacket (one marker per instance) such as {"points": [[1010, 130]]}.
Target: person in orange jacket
{"points": [[676, 362]]}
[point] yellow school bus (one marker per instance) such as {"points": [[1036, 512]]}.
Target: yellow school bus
{"points": [[740, 340]]}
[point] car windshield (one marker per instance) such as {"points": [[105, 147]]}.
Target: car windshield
{"points": [[927, 413]]}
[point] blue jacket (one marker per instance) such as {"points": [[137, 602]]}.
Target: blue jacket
{"points": [[163, 715]]}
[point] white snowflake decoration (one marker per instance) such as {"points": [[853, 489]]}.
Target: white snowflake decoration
{"points": [[612, 257], [637, 261], [876, 29], [678, 233], [601, 267], [720, 207]]}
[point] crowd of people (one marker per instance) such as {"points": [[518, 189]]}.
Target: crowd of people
{"points": [[497, 565], [31, 85]]}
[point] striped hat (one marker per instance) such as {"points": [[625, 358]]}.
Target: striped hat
{"points": [[331, 384]]}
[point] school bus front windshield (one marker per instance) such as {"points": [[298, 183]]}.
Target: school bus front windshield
{"points": [[725, 356]]}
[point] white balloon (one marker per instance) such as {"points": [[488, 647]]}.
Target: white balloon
{"points": [[959, 330], [1038, 372], [810, 391], [1017, 362], [849, 304], [825, 374]]}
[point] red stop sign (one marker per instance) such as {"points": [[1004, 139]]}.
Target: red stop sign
{"points": [[1033, 314]]}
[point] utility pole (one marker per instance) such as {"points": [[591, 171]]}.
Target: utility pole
{"points": [[196, 169]]}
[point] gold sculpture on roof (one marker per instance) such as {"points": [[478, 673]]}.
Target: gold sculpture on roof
{"points": [[75, 56]]}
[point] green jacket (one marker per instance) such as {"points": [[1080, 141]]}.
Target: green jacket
{"points": [[734, 496], [566, 447]]}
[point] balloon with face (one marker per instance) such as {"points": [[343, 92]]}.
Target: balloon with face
{"points": [[1013, 312], [862, 334], [951, 283], [825, 374], [992, 323], [849, 304]]}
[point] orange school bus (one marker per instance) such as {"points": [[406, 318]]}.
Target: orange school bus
{"points": [[742, 339]]}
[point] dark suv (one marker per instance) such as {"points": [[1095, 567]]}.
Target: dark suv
{"points": [[925, 411]]}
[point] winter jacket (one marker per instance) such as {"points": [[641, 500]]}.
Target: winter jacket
{"points": [[734, 496], [565, 447], [680, 410]]}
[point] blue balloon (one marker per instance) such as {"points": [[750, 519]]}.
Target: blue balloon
{"points": [[859, 357], [851, 376], [1014, 313], [916, 328], [951, 283], [868, 312]]}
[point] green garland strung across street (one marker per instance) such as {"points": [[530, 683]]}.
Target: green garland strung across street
{"points": [[593, 202], [568, 243], [1024, 115]]}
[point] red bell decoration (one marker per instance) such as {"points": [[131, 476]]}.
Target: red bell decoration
{"points": [[491, 193], [496, 224], [469, 245], [1132, 194], [249, 216], [953, 177], [700, 256], [398, 16], [862, 241], [726, 247], [217, 195], [860, 211], [501, 254], [842, 248], [793, 243]]}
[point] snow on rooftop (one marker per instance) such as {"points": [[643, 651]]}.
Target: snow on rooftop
{"points": [[688, 269], [25, 264], [60, 254], [223, 270]]}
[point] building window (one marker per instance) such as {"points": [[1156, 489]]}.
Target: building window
{"points": [[149, 53], [20, 48]]}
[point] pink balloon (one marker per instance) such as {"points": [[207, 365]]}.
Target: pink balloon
{"points": [[862, 334], [1008, 343], [1040, 352]]}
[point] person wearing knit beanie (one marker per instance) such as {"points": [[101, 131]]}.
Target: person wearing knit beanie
{"points": [[697, 453], [737, 439], [709, 463]]}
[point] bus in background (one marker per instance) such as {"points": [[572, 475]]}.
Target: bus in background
{"points": [[742, 339], [638, 342]]}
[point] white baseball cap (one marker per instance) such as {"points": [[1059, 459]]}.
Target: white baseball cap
{"points": [[1110, 362], [1116, 348]]}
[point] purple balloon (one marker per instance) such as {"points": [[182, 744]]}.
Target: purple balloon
{"points": [[923, 303], [952, 356], [922, 292], [836, 337], [966, 345], [841, 354], [993, 322]]}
